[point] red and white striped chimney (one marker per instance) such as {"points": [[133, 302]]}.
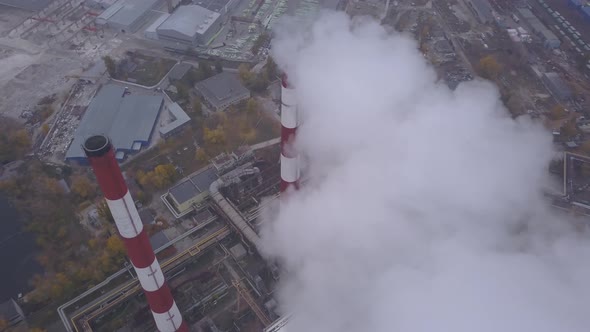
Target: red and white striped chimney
{"points": [[101, 156], [289, 121]]}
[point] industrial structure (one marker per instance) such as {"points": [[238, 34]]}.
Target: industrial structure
{"points": [[128, 119], [128, 15], [101, 156], [289, 120], [549, 39], [188, 27], [557, 86], [178, 120], [221, 91]]}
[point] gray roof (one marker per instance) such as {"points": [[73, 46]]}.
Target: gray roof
{"points": [[189, 21], [127, 12], [557, 85], [125, 119], [483, 9], [180, 118], [32, 5], [158, 240], [9, 310], [184, 191], [221, 87], [194, 185], [526, 13], [203, 180], [179, 70]]}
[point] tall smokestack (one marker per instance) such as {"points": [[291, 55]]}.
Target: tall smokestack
{"points": [[289, 122], [100, 153]]}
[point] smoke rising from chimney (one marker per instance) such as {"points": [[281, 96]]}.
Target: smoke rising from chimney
{"points": [[423, 208]]}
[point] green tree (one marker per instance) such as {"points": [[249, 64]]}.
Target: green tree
{"points": [[183, 91], [244, 72], [111, 66]]}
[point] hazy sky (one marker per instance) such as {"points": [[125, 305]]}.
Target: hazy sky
{"points": [[423, 210]]}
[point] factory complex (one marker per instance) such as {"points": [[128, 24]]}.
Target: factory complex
{"points": [[128, 119]]}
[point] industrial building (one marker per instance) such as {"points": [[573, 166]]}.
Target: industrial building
{"points": [[127, 119], [190, 194], [128, 15], [189, 26], [222, 90], [223, 7], [482, 10], [557, 86], [99, 4], [31, 5], [549, 39], [11, 312], [150, 32], [179, 120]]}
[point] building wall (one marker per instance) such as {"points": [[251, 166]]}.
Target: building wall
{"points": [[188, 204]]}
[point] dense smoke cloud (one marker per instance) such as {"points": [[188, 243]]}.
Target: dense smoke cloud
{"points": [[423, 211]]}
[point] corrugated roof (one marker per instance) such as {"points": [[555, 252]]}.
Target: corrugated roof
{"points": [[32, 5], [179, 70], [158, 240], [190, 20], [180, 118], [126, 12], [152, 28], [124, 119]]}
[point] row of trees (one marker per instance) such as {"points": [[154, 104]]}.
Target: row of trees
{"points": [[160, 177], [14, 140]]}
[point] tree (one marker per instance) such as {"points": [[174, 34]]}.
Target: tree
{"points": [[218, 66], [21, 139], [251, 106], [205, 69], [197, 107], [201, 155], [45, 129], [82, 187], [489, 67], [183, 91], [244, 72], [214, 136], [557, 112], [111, 66], [115, 246], [271, 68], [569, 130], [104, 212]]}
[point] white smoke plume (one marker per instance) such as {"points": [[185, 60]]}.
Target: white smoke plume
{"points": [[423, 211]]}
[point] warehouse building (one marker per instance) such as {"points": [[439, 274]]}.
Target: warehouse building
{"points": [[128, 15], [222, 90], [557, 86], [179, 120], [127, 119], [190, 194], [30, 5], [549, 39], [150, 32], [223, 7], [189, 26], [482, 10]]}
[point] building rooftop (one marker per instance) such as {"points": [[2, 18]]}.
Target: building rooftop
{"points": [[125, 12], [203, 180], [483, 9], [179, 70], [184, 191], [214, 5], [179, 119], [154, 26], [526, 13], [124, 119], [221, 87], [31, 5], [557, 85], [190, 20]]}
